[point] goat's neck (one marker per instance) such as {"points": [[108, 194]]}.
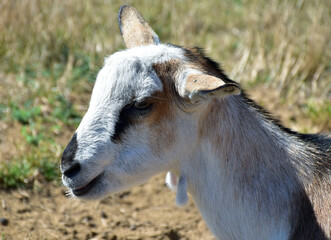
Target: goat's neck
{"points": [[241, 175]]}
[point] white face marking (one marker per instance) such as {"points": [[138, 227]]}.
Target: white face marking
{"points": [[126, 76]]}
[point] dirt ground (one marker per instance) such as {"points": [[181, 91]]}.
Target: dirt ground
{"points": [[145, 212]]}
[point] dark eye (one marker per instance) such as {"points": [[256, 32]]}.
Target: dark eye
{"points": [[141, 106], [138, 108]]}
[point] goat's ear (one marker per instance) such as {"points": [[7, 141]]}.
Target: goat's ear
{"points": [[202, 86], [134, 29]]}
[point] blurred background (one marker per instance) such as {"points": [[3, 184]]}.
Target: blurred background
{"points": [[51, 51]]}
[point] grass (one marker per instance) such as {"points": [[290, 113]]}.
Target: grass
{"points": [[51, 51]]}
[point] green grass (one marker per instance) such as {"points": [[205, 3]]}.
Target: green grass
{"points": [[318, 113], [51, 51]]}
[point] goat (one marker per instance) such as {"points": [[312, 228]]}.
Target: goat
{"points": [[160, 107]]}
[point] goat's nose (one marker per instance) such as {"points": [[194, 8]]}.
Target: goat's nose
{"points": [[71, 170], [70, 167]]}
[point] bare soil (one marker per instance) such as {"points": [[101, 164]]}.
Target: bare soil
{"points": [[145, 212]]}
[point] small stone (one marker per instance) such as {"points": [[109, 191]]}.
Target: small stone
{"points": [[92, 225], [105, 235], [104, 215], [4, 205], [4, 221], [133, 227]]}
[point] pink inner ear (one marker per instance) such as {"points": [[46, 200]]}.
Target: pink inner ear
{"points": [[134, 29], [173, 180]]}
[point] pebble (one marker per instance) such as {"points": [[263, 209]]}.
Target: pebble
{"points": [[4, 221], [104, 215], [133, 227]]}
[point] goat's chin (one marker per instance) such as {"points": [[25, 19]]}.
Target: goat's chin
{"points": [[96, 189], [102, 186], [100, 190], [97, 192]]}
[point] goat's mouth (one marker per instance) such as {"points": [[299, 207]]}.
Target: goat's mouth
{"points": [[87, 187]]}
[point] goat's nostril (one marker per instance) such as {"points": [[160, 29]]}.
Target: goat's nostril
{"points": [[69, 167], [72, 170]]}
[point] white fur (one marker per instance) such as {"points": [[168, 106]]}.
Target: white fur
{"points": [[171, 181]]}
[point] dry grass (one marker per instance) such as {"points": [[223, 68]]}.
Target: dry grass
{"points": [[285, 43], [49, 50]]}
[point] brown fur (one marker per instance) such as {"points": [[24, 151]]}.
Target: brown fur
{"points": [[317, 210], [163, 108], [307, 220], [200, 62]]}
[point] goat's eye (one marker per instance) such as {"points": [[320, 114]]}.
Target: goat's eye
{"points": [[141, 105], [138, 108]]}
